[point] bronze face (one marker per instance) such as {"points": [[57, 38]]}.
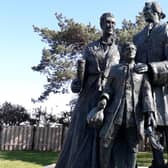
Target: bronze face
{"points": [[108, 25], [150, 15], [129, 52]]}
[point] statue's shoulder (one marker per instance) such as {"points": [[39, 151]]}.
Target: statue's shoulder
{"points": [[162, 26], [117, 67], [165, 27], [113, 70], [91, 48], [115, 46], [161, 30], [93, 45], [141, 35]]}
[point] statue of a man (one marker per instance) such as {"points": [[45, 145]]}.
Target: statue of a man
{"points": [[124, 103], [152, 50], [80, 149]]}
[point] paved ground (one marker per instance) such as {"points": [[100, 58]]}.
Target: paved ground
{"points": [[53, 166], [50, 166]]}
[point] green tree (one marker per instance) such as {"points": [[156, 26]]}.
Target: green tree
{"points": [[64, 47], [13, 115], [129, 29], [65, 117], [42, 118]]}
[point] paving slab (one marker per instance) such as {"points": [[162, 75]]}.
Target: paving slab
{"points": [[50, 166]]}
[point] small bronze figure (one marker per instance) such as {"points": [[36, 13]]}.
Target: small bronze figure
{"points": [[124, 103]]}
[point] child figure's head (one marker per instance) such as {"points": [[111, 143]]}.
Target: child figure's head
{"points": [[128, 52]]}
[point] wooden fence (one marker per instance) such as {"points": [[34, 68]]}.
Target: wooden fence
{"points": [[31, 138], [39, 138]]}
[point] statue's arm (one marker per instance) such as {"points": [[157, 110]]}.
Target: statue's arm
{"points": [[148, 103], [96, 116], [159, 70], [78, 83], [147, 98]]}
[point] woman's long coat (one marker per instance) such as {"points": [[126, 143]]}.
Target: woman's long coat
{"points": [[81, 148]]}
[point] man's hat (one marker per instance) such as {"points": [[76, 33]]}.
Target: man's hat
{"points": [[156, 8]]}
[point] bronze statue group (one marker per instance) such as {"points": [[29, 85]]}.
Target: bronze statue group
{"points": [[122, 95]]}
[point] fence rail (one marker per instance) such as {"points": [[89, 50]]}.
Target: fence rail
{"points": [[31, 138]]}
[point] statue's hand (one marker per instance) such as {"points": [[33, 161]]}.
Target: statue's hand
{"points": [[76, 86], [150, 120], [141, 68], [98, 118], [95, 117]]}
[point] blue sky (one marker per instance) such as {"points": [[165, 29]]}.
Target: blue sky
{"points": [[20, 46]]}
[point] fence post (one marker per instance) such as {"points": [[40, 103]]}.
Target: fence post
{"points": [[64, 133], [0, 136], [33, 138]]}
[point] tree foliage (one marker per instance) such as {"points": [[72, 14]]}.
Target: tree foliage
{"points": [[66, 45], [129, 29], [13, 115], [42, 118], [65, 117]]}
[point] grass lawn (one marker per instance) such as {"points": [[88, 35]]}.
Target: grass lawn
{"points": [[145, 158], [30, 159], [26, 159]]}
